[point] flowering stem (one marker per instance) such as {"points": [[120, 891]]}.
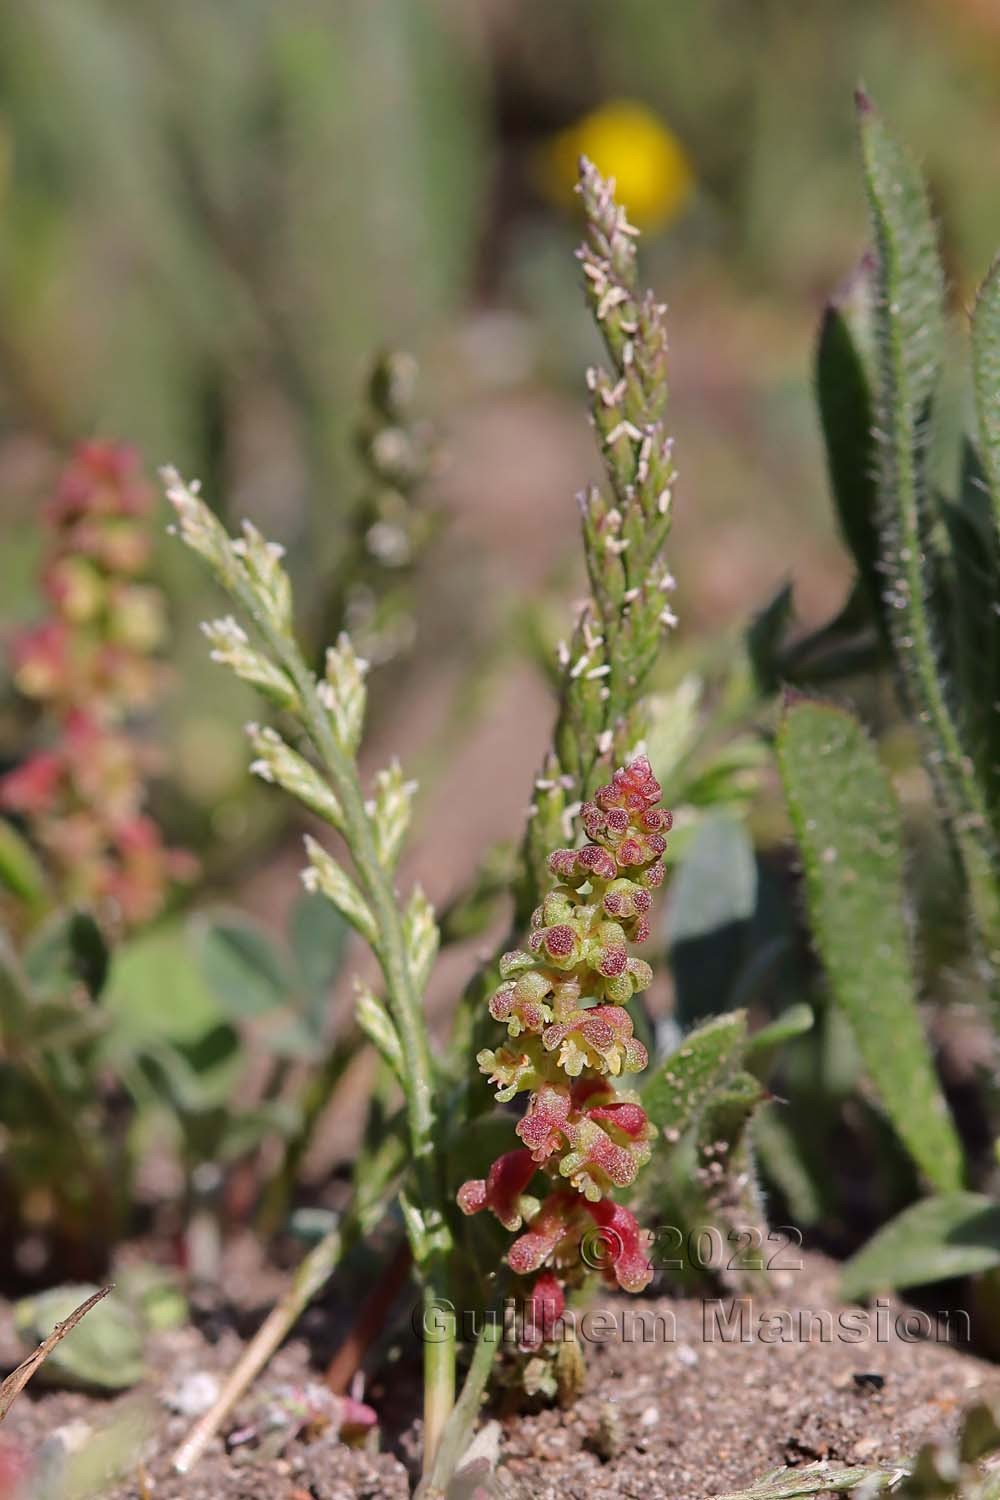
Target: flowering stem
{"points": [[417, 1079], [621, 626], [439, 1372], [248, 570]]}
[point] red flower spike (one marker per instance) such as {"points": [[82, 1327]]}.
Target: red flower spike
{"points": [[543, 1307], [551, 1225], [500, 1193], [521, 1003], [562, 863], [596, 1163], [33, 787], [567, 994], [624, 1246], [630, 1119], [560, 942], [102, 479], [90, 663], [591, 1090], [542, 1126], [599, 1038]]}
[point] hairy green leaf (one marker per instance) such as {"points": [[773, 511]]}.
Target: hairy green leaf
{"points": [[951, 1234], [796, 1021], [846, 823], [20, 871], [986, 378], [678, 1090], [909, 328], [847, 415], [972, 581]]}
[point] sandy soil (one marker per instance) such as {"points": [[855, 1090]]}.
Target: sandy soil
{"points": [[680, 1414]]}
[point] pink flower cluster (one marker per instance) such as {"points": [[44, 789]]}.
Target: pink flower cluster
{"points": [[91, 664], [569, 1039]]}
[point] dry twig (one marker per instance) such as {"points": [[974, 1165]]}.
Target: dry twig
{"points": [[12, 1387]]}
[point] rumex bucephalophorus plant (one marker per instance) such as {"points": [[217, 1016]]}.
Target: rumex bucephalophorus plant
{"points": [[570, 1039]]}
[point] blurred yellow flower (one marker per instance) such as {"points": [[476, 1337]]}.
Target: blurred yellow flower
{"points": [[626, 141]]}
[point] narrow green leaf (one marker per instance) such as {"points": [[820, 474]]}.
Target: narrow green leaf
{"points": [[909, 311], [972, 581], [765, 639], [910, 329], [677, 1091], [20, 871], [986, 379], [68, 949], [846, 823], [780, 1154], [712, 899], [15, 993], [952, 1234], [796, 1021], [847, 415]]}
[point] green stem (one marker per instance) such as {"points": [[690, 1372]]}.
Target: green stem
{"points": [[431, 1244], [910, 323], [439, 1371], [459, 1427]]}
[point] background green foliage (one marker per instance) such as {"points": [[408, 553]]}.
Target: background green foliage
{"points": [[213, 215]]}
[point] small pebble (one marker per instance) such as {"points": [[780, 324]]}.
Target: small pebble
{"points": [[193, 1395], [71, 1437]]}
